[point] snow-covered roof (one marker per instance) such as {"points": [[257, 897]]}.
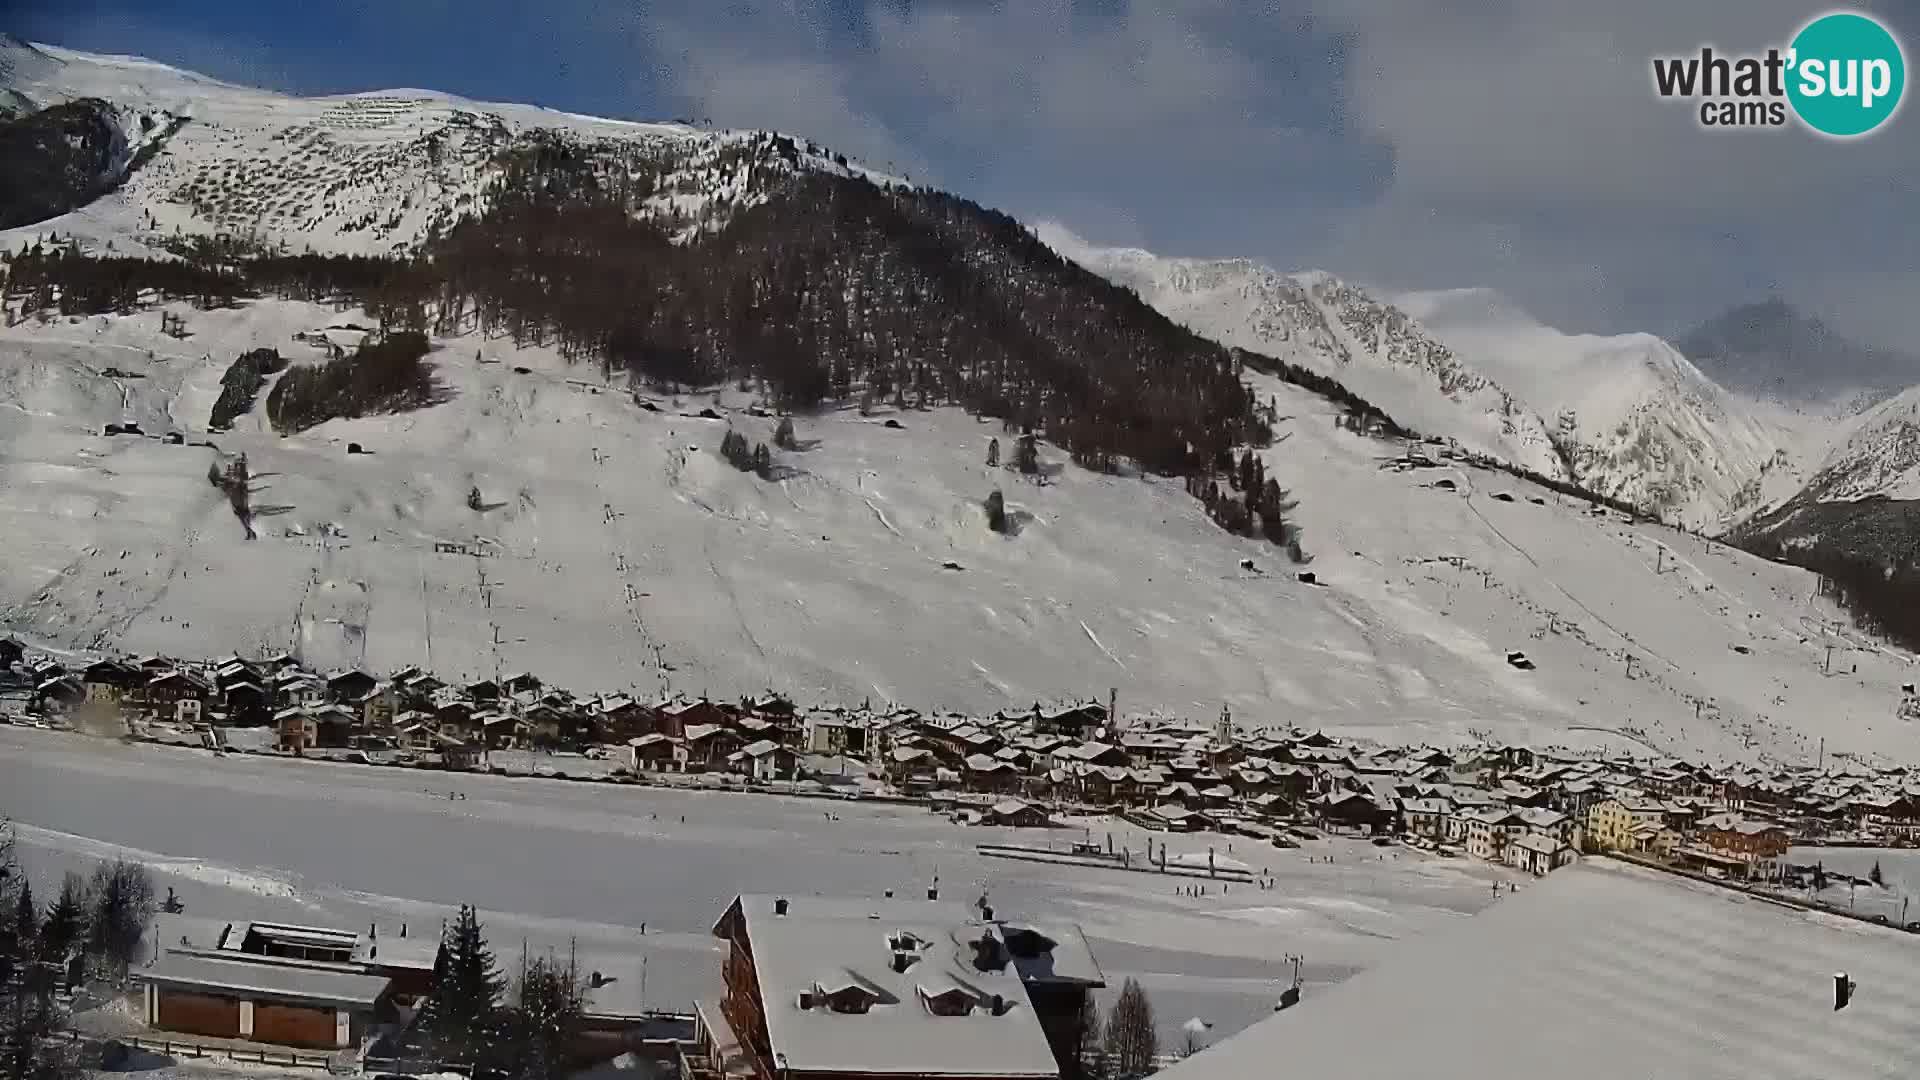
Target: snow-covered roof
{"points": [[1605, 971], [336, 984], [822, 945]]}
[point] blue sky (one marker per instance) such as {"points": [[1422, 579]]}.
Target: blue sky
{"points": [[1405, 143]]}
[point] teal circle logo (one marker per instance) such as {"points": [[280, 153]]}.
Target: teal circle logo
{"points": [[1846, 74]]}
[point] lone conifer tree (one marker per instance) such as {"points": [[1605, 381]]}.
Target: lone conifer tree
{"points": [[465, 1000], [1873, 875], [993, 453], [1132, 1041]]}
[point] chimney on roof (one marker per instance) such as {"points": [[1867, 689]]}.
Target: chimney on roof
{"points": [[806, 1000], [986, 913], [780, 906], [902, 960], [374, 952], [403, 929], [997, 1005], [1842, 990], [372, 931]]}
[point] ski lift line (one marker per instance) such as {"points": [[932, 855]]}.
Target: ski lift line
{"points": [[1467, 498]]}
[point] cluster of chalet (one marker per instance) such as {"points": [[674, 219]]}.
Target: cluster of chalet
{"points": [[1509, 804], [411, 710]]}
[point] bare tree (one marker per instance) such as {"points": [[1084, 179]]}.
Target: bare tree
{"points": [[1091, 1054], [1132, 1042], [122, 904]]}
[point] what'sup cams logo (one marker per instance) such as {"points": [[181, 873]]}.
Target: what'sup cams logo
{"points": [[1842, 76]]}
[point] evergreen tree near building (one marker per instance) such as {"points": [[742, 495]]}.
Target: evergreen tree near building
{"points": [[24, 924], [65, 925], [464, 1003], [31, 1019], [1132, 1041], [549, 1005]]}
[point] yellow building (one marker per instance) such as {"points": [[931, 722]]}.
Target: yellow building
{"points": [[1611, 822]]}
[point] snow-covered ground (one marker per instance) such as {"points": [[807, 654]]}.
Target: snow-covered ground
{"points": [[1898, 898], [550, 861], [618, 551]]}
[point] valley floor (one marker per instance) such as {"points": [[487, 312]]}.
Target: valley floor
{"points": [[245, 837]]}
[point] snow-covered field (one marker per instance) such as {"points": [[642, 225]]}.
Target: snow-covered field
{"points": [[1898, 898], [617, 551], [548, 861]]}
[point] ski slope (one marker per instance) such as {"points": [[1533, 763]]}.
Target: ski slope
{"points": [[616, 551]]}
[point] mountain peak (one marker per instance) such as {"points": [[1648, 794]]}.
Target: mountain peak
{"points": [[1772, 349]]}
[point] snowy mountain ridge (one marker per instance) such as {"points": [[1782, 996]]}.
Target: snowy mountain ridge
{"points": [[1326, 325], [1625, 415], [366, 173]]}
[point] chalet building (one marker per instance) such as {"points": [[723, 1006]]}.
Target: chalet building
{"points": [[1354, 812], [1755, 844], [1611, 822], [248, 703], [11, 653], [110, 682], [1538, 854], [1071, 721], [821, 989], [982, 772], [349, 685], [180, 696], [59, 692], [708, 746], [677, 717], [652, 752], [1016, 814], [764, 760]]}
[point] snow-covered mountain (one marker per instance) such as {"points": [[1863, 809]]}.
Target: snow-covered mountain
{"points": [[1875, 455], [1626, 416], [358, 174], [1324, 324], [612, 547], [1635, 419]]}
